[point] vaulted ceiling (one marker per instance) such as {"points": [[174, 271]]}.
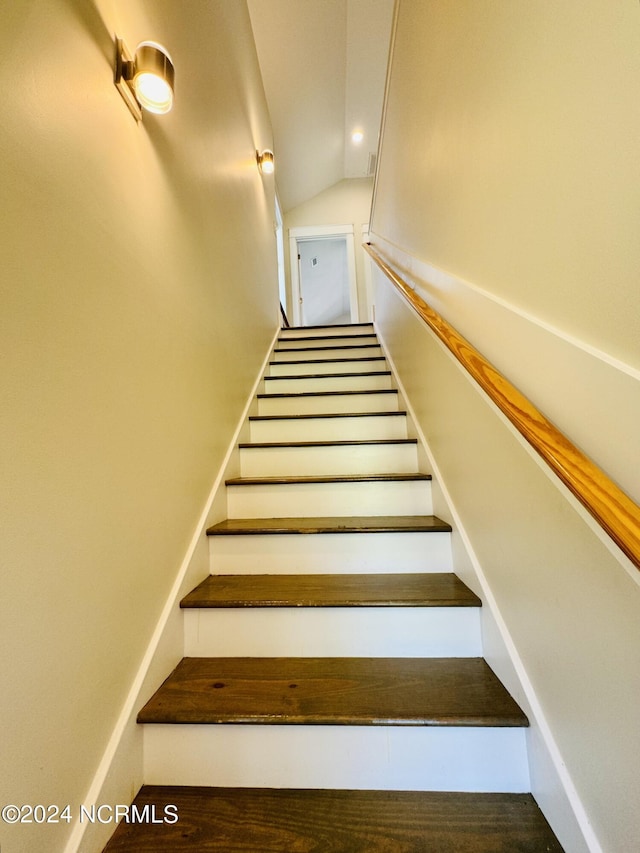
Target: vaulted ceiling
{"points": [[323, 65]]}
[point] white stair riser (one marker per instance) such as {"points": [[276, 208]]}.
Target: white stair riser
{"points": [[304, 385], [330, 553], [292, 354], [306, 367], [342, 341], [290, 461], [333, 632], [323, 499], [367, 428], [350, 757], [327, 404]]}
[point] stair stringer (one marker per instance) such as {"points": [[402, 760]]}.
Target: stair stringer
{"points": [[120, 773], [551, 784]]}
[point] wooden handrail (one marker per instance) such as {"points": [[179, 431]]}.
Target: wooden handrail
{"points": [[616, 513], [285, 320]]}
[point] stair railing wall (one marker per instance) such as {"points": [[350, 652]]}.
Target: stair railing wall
{"points": [[563, 631], [615, 512]]}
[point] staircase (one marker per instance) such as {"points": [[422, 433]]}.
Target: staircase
{"points": [[333, 685]]}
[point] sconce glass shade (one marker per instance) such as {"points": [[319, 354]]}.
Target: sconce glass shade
{"points": [[146, 80], [266, 162], [153, 79]]}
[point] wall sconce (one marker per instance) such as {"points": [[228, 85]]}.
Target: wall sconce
{"points": [[146, 80], [265, 162]]}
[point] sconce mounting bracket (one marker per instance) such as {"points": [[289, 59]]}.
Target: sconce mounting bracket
{"points": [[122, 74]]}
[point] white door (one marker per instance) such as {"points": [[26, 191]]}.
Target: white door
{"points": [[324, 282]]}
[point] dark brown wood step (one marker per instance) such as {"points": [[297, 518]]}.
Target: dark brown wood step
{"points": [[333, 478], [368, 373], [308, 339], [334, 691], [436, 589], [330, 360], [320, 349], [325, 393], [329, 416], [342, 443], [358, 337], [264, 820], [328, 326], [330, 524]]}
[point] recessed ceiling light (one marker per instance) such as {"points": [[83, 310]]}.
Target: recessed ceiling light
{"points": [[357, 136]]}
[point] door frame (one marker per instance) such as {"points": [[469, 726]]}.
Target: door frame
{"points": [[322, 232]]}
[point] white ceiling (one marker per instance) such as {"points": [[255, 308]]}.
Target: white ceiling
{"points": [[323, 65]]}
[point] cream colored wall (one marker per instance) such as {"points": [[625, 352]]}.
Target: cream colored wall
{"points": [[133, 324], [568, 610], [520, 168], [508, 193], [346, 203], [511, 170]]}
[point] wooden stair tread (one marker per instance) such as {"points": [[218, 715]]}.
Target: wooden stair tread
{"points": [[337, 443], [329, 416], [331, 524], [292, 394], [331, 478], [356, 337], [327, 326], [334, 691], [328, 375], [320, 349], [265, 820], [434, 589], [330, 360]]}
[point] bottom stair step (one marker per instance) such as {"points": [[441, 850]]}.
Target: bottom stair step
{"points": [[232, 820]]}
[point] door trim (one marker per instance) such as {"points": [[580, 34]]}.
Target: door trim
{"points": [[322, 232]]}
